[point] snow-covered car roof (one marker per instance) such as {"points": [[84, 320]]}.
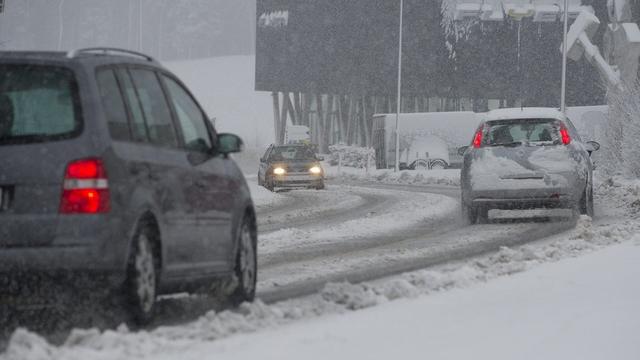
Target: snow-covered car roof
{"points": [[525, 113]]}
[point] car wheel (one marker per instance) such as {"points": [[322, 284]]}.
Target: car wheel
{"points": [[438, 165], [259, 180], [268, 184], [320, 186], [586, 202], [142, 279], [246, 264], [421, 165]]}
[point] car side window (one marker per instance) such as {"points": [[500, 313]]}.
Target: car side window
{"points": [[113, 105], [191, 119], [266, 153], [155, 108], [138, 126]]}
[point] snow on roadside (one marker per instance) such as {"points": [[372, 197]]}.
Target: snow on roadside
{"points": [[263, 197], [449, 177], [620, 196], [582, 308]]}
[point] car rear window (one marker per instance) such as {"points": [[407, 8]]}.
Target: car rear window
{"points": [[509, 132], [37, 103]]}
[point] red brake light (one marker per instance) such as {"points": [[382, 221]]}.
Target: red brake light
{"points": [[564, 135], [477, 138], [86, 188]]}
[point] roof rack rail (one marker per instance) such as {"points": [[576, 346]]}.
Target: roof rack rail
{"points": [[105, 50]]}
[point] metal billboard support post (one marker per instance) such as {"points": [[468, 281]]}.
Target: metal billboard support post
{"points": [[563, 90], [399, 97]]}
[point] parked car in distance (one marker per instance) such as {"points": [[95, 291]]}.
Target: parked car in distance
{"points": [[291, 166], [526, 158], [109, 168], [427, 152]]}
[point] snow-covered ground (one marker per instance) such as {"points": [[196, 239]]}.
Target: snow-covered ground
{"points": [[571, 295], [450, 177], [582, 308]]}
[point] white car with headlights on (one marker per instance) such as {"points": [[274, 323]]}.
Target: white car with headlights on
{"points": [[291, 166]]}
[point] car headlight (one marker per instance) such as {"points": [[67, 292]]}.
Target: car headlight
{"points": [[279, 171], [316, 170]]}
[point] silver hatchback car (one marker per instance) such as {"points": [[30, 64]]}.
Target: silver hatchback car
{"points": [[523, 159]]}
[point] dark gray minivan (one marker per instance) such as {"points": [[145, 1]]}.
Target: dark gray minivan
{"points": [[109, 168]]}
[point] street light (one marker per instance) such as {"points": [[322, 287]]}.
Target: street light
{"points": [[61, 27], [399, 97], [565, 49]]}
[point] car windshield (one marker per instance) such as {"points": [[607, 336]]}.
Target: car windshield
{"points": [[519, 131], [37, 103], [287, 153]]}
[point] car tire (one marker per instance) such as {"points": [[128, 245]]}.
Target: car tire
{"points": [[320, 186], [268, 184], [246, 264], [259, 180], [585, 205], [438, 164], [420, 165], [141, 285]]}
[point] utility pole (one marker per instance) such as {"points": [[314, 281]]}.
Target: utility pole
{"points": [[61, 25], [399, 97], [1, 14], [140, 25], [565, 49]]}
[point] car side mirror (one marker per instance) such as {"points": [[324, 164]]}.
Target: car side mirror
{"points": [[592, 146], [462, 149], [229, 143]]}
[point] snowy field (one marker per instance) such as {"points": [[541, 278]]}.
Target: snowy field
{"points": [[581, 308]]}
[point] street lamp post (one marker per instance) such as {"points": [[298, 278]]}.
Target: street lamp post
{"points": [[61, 25], [563, 90], [140, 25], [399, 97]]}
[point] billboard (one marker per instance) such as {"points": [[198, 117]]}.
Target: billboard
{"points": [[351, 47]]}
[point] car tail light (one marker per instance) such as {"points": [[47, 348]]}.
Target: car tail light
{"points": [[564, 135], [477, 138], [86, 188]]}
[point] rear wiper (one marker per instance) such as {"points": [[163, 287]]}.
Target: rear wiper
{"points": [[514, 143]]}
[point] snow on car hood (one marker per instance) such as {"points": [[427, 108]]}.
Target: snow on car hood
{"points": [[532, 167]]}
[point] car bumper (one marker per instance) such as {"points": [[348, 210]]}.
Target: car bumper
{"points": [[81, 244], [297, 180], [524, 199]]}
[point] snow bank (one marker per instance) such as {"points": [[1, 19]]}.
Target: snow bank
{"points": [[448, 177], [578, 309], [351, 156]]}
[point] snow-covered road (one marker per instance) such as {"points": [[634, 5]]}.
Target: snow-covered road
{"points": [[374, 230], [355, 231]]}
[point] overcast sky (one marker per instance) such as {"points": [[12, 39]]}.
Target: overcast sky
{"points": [[170, 29]]}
